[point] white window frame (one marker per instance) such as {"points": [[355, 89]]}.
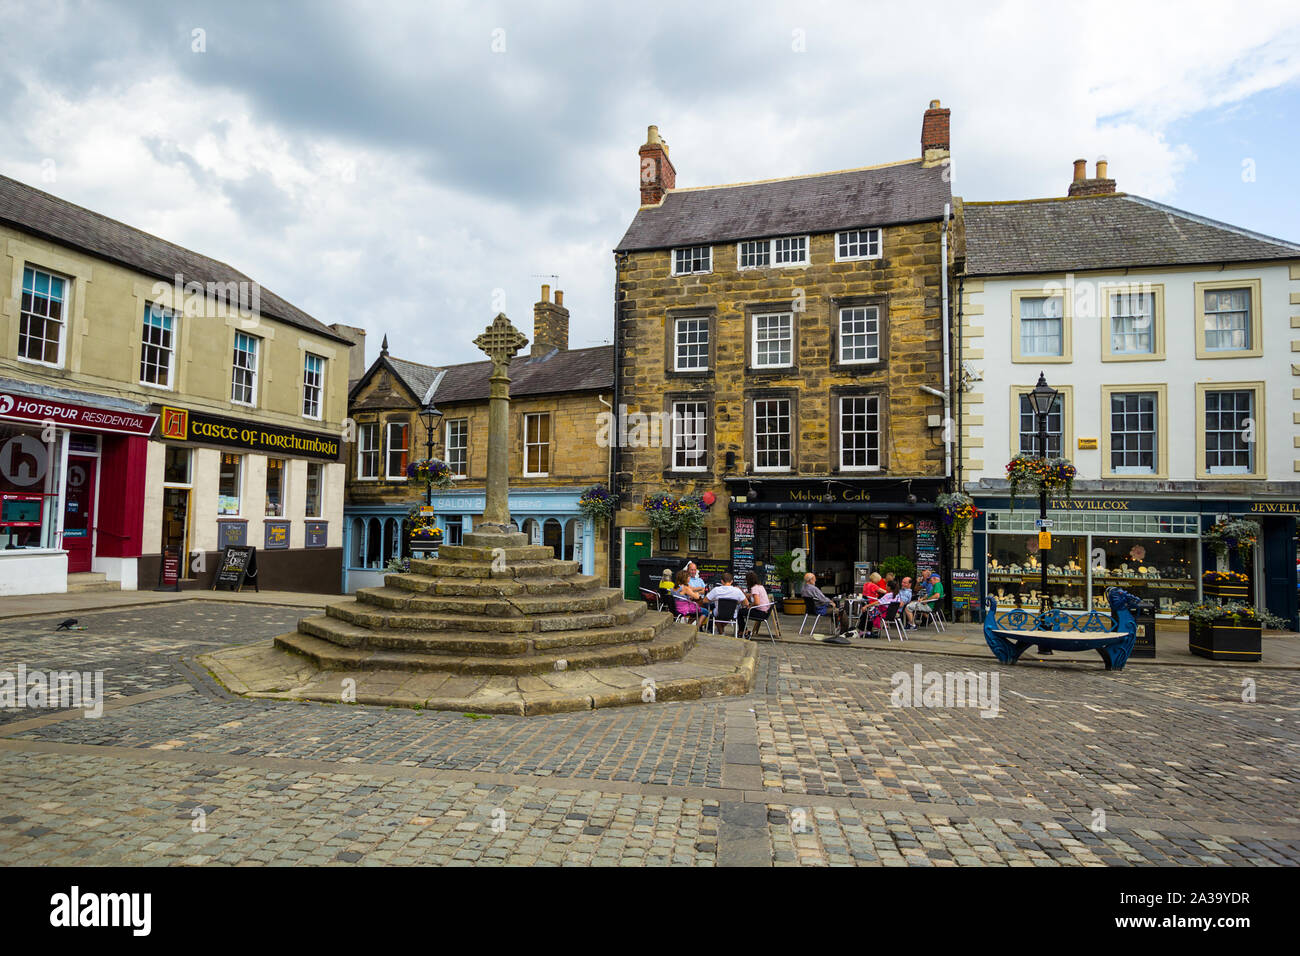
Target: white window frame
{"points": [[677, 343], [389, 449], [1247, 327], [698, 417], [364, 450], [1117, 315], [170, 350], [871, 400], [689, 250], [320, 490], [464, 447], [284, 481], [1156, 437], [307, 385], [62, 321], [546, 445], [789, 433], [871, 319], [1252, 448], [1058, 319], [772, 253], [841, 238], [252, 371], [240, 461], [753, 341], [1024, 398]]}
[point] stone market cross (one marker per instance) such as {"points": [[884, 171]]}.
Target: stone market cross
{"points": [[500, 341]]}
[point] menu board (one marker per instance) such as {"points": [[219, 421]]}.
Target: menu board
{"points": [[965, 589], [232, 533], [742, 546], [316, 534], [237, 565], [927, 545], [169, 570]]}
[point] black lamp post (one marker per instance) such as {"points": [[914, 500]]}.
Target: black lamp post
{"points": [[430, 416], [1042, 398]]}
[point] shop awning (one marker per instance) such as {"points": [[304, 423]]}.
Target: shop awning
{"points": [[878, 507]]}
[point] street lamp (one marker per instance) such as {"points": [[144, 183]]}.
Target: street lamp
{"points": [[430, 415], [1043, 397]]}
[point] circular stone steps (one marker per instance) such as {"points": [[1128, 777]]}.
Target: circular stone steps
{"points": [[495, 625]]}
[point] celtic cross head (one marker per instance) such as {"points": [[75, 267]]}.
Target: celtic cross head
{"points": [[501, 341]]}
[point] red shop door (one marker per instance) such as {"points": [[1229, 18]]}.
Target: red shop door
{"points": [[79, 512]]}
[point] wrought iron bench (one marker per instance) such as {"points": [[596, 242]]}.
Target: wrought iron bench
{"points": [[1012, 633]]}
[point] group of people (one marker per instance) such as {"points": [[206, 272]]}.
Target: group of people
{"points": [[693, 599], [879, 593]]}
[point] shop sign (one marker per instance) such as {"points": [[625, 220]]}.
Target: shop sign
{"points": [[277, 535], [316, 534], [826, 496], [965, 588], [1087, 444], [23, 408], [232, 533], [1275, 508], [181, 424]]}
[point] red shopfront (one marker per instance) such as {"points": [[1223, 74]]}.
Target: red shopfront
{"points": [[72, 478]]}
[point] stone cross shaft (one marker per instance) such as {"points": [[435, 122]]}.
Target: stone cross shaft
{"points": [[500, 341]]}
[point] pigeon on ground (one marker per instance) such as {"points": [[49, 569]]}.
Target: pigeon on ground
{"points": [[67, 625]]}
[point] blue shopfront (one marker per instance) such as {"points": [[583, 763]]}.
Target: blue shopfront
{"points": [[373, 534], [1151, 546]]}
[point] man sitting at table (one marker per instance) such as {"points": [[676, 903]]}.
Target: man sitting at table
{"points": [[824, 605], [931, 596], [727, 591]]}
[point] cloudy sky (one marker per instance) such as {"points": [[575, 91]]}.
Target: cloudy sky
{"points": [[412, 167]]}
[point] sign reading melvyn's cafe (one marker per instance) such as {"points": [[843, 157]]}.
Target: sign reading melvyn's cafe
{"points": [[181, 424]]}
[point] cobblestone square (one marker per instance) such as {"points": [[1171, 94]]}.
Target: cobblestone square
{"points": [[1154, 765]]}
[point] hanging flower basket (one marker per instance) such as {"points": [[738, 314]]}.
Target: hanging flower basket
{"points": [[958, 512], [1239, 534], [423, 527], [669, 515], [598, 502], [432, 470], [1026, 473]]}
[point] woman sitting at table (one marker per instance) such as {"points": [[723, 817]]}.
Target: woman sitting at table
{"points": [[760, 604], [686, 599]]}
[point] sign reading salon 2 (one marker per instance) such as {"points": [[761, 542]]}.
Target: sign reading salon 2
{"points": [[181, 424]]}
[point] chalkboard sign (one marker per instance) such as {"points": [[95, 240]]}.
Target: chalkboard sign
{"points": [[742, 546], [232, 533], [927, 546], [316, 534], [237, 565], [277, 535], [169, 570], [965, 589], [710, 570]]}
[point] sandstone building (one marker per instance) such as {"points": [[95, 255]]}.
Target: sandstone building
{"points": [[791, 335]]}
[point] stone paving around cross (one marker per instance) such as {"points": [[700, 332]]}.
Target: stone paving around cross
{"points": [[1079, 767]]}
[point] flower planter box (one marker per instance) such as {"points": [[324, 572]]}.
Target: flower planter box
{"points": [[1224, 640], [1225, 593]]}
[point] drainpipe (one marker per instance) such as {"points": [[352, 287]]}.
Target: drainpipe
{"points": [[610, 475], [947, 360], [616, 452]]}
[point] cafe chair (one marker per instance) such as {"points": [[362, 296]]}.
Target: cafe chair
{"points": [[810, 611], [725, 614], [892, 619], [762, 614], [655, 599], [935, 614]]}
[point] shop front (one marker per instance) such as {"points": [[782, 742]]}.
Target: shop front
{"points": [[376, 534], [72, 469], [1152, 547], [845, 527], [214, 482]]}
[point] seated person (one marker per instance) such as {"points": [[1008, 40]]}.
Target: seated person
{"points": [[821, 604], [932, 597], [760, 603], [666, 580], [727, 591], [693, 576], [871, 587], [686, 598]]}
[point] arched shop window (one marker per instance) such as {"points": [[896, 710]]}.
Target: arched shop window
{"points": [[572, 530], [553, 536], [531, 527], [392, 540], [374, 536], [357, 543]]}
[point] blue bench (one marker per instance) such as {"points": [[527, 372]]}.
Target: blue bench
{"points": [[1012, 633]]}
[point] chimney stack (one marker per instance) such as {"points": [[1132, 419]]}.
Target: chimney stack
{"points": [[934, 135], [1098, 186], [550, 324], [658, 175]]}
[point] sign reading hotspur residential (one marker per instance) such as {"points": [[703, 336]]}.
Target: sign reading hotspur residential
{"points": [[181, 424]]}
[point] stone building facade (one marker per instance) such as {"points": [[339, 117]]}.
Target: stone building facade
{"points": [[788, 338]]}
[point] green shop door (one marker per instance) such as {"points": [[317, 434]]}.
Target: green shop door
{"points": [[636, 545]]}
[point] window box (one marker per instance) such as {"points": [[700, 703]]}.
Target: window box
{"points": [[1225, 639]]}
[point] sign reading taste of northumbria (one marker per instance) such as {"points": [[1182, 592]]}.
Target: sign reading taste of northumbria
{"points": [[181, 424]]}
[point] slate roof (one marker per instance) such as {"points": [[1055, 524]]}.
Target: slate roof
{"points": [[38, 213], [875, 196], [579, 370], [417, 377], [1103, 232]]}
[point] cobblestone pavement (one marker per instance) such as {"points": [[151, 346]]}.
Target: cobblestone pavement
{"points": [[1155, 765]]}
